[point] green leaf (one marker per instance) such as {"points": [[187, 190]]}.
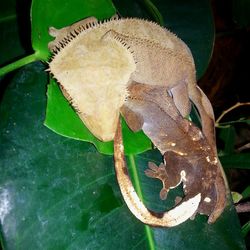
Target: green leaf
{"points": [[228, 157], [57, 13], [58, 193], [240, 160], [227, 135], [154, 12], [246, 229], [236, 197], [60, 116], [246, 192]]}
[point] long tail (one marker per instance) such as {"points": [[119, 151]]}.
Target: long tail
{"points": [[170, 218]]}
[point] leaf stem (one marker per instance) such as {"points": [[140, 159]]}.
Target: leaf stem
{"points": [[154, 12], [7, 18], [19, 63], [246, 229], [132, 164], [238, 104]]}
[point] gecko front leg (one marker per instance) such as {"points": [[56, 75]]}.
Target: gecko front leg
{"points": [[167, 174], [176, 170]]}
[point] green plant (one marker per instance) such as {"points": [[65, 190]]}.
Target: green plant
{"points": [[60, 193]]}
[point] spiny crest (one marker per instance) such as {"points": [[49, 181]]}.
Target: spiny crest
{"points": [[77, 31], [91, 23], [82, 28], [70, 99], [115, 36], [128, 41], [71, 36], [132, 43]]}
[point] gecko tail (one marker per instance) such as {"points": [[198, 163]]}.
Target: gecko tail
{"points": [[171, 218]]}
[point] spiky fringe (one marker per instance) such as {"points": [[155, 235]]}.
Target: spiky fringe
{"points": [[80, 29]]}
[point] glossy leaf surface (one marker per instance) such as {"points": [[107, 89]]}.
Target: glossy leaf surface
{"points": [[59, 193]]}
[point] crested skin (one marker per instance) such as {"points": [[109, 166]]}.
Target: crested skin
{"points": [[130, 66], [82, 60], [188, 157]]}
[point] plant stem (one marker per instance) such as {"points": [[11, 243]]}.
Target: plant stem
{"points": [[245, 229], [132, 164], [238, 104], [154, 12], [7, 18], [19, 63]]}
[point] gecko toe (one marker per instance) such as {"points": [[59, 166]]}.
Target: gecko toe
{"points": [[164, 193]]}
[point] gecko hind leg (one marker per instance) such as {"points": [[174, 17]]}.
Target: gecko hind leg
{"points": [[160, 173]]}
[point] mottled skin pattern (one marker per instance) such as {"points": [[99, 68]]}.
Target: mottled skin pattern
{"points": [[158, 94], [154, 48], [188, 158]]}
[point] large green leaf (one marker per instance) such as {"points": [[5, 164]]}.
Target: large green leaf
{"points": [[191, 21], [59, 193], [236, 160]]}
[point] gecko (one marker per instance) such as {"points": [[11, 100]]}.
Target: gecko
{"points": [[116, 67], [82, 48]]}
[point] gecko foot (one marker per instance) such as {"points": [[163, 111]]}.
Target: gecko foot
{"points": [[159, 173]]}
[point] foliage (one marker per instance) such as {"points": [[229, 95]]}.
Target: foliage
{"points": [[58, 193]]}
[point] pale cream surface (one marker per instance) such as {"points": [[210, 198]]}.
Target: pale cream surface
{"points": [[94, 72]]}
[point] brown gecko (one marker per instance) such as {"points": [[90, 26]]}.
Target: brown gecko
{"points": [[188, 157], [131, 66], [82, 49]]}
